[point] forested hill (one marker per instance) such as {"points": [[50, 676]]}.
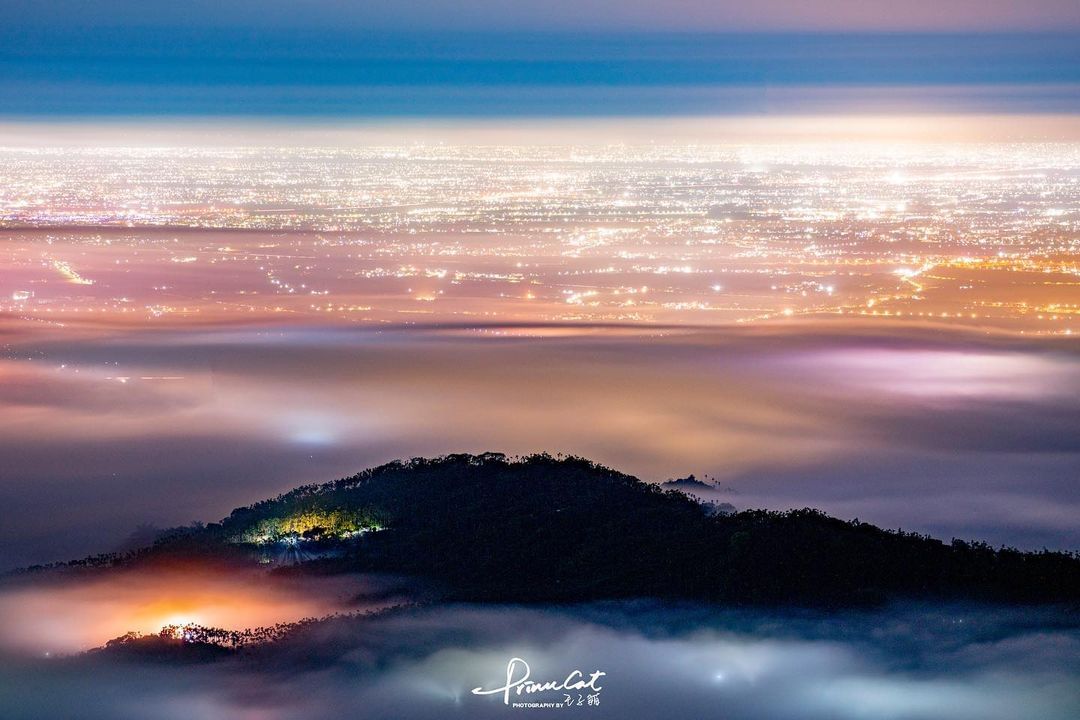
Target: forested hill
{"points": [[490, 528]]}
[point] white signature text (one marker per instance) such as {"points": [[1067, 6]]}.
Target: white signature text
{"points": [[517, 680]]}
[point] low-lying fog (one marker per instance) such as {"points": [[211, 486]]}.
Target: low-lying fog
{"points": [[916, 661]]}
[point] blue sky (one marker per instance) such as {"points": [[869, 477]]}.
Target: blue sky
{"points": [[589, 58], [559, 15]]}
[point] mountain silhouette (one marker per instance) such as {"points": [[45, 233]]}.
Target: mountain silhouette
{"points": [[545, 529]]}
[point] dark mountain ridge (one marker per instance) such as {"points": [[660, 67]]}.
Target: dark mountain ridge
{"points": [[545, 529]]}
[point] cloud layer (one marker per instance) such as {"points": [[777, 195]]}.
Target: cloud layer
{"points": [[909, 662]]}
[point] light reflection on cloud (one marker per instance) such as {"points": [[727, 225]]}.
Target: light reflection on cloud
{"points": [[940, 373], [308, 428], [62, 616]]}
